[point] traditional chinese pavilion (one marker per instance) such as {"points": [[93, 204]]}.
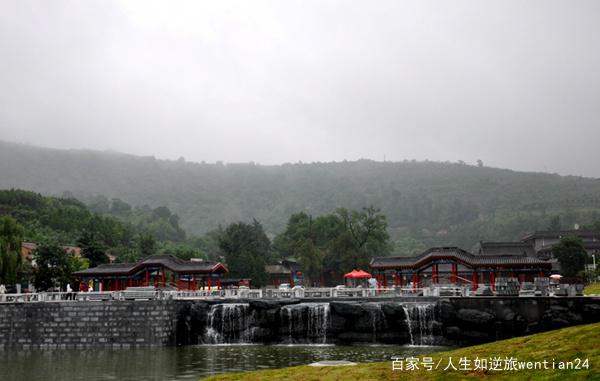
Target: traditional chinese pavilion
{"points": [[163, 271], [453, 265]]}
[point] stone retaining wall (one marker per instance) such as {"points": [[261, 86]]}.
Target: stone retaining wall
{"points": [[72, 324], [129, 324]]}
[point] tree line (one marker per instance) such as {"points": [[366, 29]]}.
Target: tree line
{"points": [[332, 243], [125, 233]]}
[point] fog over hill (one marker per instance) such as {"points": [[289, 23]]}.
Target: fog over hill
{"points": [[426, 203]]}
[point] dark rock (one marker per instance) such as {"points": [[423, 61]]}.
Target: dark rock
{"points": [[337, 323], [591, 312], [560, 323], [447, 312], [393, 311], [476, 336], [264, 304], [346, 308], [452, 332], [474, 316], [264, 335]]}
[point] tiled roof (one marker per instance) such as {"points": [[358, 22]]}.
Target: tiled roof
{"points": [[170, 262], [562, 233], [587, 245], [506, 248], [277, 269], [457, 254]]}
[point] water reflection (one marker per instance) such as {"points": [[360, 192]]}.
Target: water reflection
{"points": [[182, 363]]}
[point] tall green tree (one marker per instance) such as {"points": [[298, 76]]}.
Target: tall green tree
{"points": [[92, 248], [342, 241], [311, 261], [11, 236], [363, 236], [571, 255], [54, 267], [146, 244], [247, 250]]}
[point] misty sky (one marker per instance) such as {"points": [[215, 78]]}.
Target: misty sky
{"points": [[514, 83]]}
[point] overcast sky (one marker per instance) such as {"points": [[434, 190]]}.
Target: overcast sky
{"points": [[513, 83]]}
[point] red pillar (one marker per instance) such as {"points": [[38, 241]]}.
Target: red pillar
{"points": [[396, 280], [130, 282], [194, 284], [147, 277], [541, 274], [475, 280], [178, 282], [209, 277], [434, 277], [415, 279], [378, 280], [453, 276], [493, 280], [163, 277]]}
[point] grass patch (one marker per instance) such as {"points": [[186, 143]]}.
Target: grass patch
{"points": [[593, 288], [560, 345]]}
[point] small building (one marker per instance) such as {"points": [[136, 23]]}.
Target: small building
{"points": [[285, 271], [453, 265], [29, 248], [544, 241], [161, 271]]}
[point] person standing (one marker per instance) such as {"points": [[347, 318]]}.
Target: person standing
{"points": [[69, 292]]}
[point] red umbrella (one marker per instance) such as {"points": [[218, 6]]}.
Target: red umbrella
{"points": [[351, 274], [357, 274], [363, 274]]}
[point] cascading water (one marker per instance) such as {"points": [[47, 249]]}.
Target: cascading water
{"points": [[419, 321], [377, 319], [228, 323], [306, 322]]}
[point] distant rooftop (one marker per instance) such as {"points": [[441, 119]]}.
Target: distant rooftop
{"points": [[506, 248], [562, 233], [457, 254], [170, 262]]}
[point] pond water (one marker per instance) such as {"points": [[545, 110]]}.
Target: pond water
{"points": [[183, 363]]}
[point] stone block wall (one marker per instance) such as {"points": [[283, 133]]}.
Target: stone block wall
{"points": [[72, 324]]}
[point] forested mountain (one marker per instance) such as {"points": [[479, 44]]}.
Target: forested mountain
{"points": [[426, 203], [131, 234]]}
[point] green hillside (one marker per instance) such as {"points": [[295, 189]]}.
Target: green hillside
{"points": [[127, 233], [426, 203]]}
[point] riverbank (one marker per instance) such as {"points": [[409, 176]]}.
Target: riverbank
{"points": [[559, 346]]}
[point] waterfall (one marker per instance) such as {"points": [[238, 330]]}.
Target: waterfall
{"points": [[377, 318], [228, 323], [419, 321], [306, 322]]}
